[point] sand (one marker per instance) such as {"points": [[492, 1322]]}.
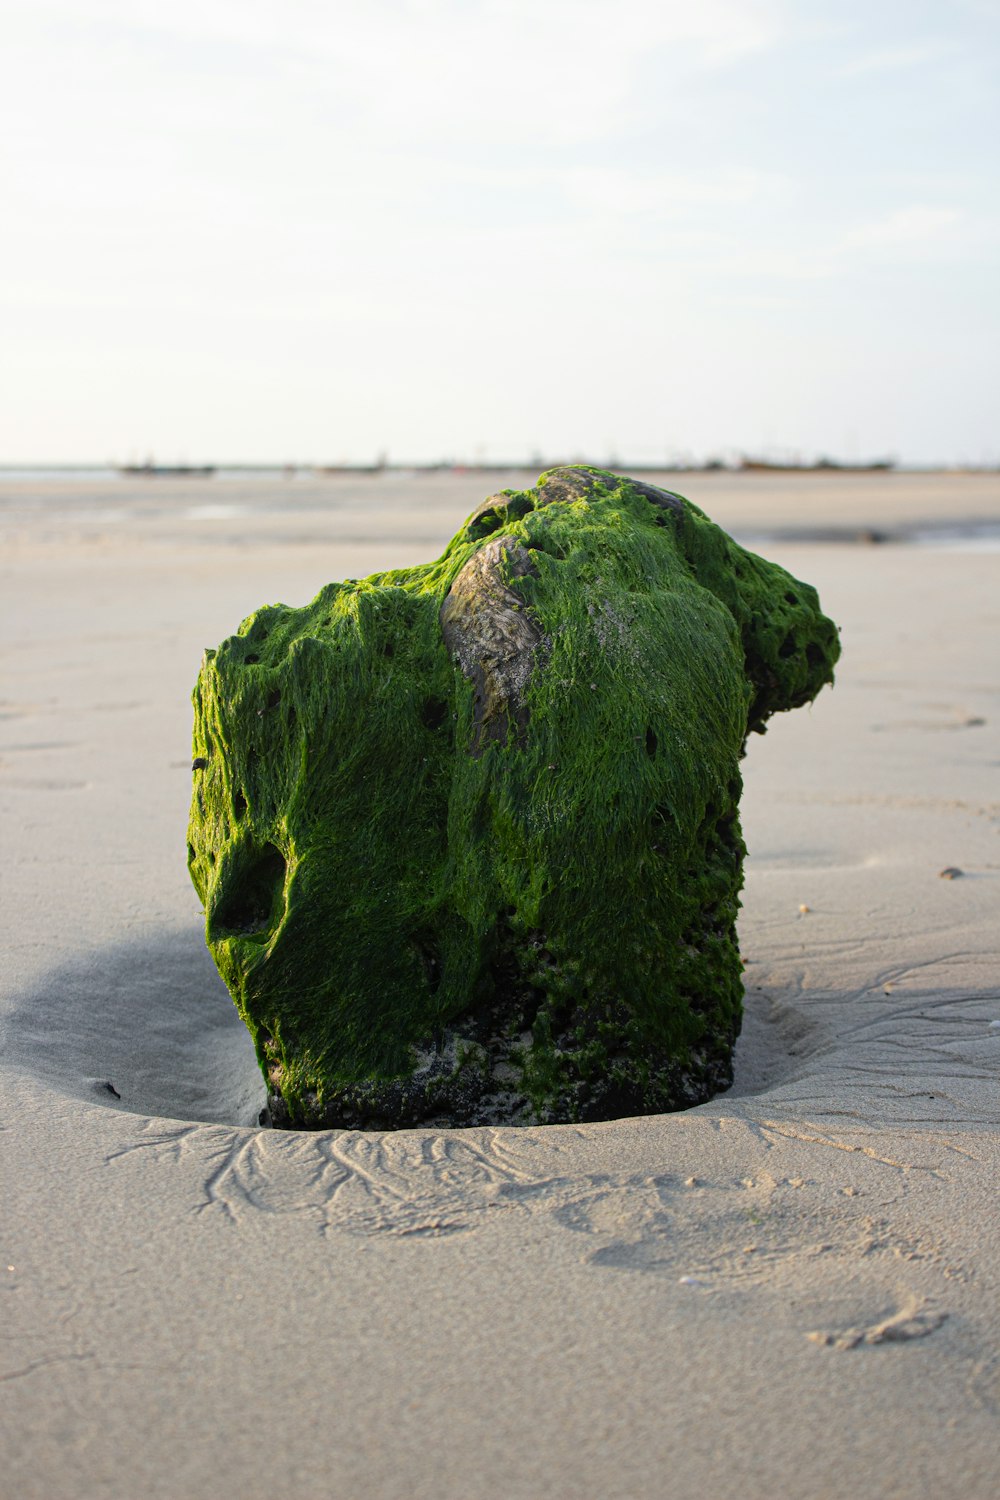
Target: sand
{"points": [[791, 1291]]}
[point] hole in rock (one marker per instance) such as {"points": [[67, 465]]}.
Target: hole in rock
{"points": [[710, 819], [251, 660], [239, 805], [787, 648], [792, 598], [815, 655], [651, 743], [251, 898], [544, 542], [430, 960], [273, 698], [726, 832], [486, 523], [433, 712], [491, 518]]}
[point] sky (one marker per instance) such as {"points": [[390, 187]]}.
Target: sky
{"points": [[321, 231]]}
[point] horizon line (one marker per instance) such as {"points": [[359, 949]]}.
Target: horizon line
{"points": [[745, 464]]}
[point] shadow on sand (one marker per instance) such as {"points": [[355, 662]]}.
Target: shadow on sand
{"points": [[150, 1029], [152, 1022]]}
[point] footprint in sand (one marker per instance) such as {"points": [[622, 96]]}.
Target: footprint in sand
{"points": [[911, 1321]]}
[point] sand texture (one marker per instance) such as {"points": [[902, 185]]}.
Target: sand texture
{"points": [[790, 1291]]}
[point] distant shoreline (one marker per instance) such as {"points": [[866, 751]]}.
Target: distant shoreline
{"points": [[745, 466], [421, 506]]}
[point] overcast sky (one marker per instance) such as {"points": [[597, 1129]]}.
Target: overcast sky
{"points": [[318, 230]]}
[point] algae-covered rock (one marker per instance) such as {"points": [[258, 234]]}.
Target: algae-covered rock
{"points": [[467, 834]]}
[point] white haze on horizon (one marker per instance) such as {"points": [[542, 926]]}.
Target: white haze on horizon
{"points": [[479, 231]]}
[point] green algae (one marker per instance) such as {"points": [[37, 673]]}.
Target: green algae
{"points": [[467, 834]]}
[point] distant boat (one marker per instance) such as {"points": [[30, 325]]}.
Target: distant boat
{"points": [[333, 470], [821, 466], [167, 471]]}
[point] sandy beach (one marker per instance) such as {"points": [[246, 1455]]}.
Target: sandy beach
{"points": [[792, 1291]]}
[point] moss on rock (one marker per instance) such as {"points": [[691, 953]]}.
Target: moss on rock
{"points": [[467, 834]]}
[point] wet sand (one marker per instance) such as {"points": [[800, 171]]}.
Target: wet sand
{"points": [[792, 1290]]}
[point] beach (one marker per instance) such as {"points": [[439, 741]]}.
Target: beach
{"points": [[793, 1290]]}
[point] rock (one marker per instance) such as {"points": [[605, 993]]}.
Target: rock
{"points": [[467, 834]]}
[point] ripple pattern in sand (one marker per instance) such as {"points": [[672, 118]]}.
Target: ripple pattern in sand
{"points": [[725, 1240]]}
